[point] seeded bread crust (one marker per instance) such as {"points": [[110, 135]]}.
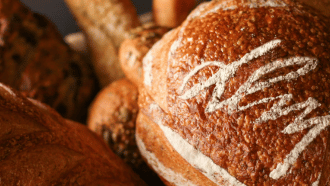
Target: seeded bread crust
{"points": [[112, 115], [134, 48], [245, 87], [36, 61], [39, 147], [106, 25]]}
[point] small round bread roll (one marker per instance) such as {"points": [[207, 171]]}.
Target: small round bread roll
{"points": [[133, 49], [112, 115], [106, 24], [36, 61], [238, 95], [39, 147]]}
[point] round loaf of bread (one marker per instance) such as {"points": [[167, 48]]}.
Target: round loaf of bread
{"points": [[39, 147], [36, 61], [239, 95], [134, 48]]}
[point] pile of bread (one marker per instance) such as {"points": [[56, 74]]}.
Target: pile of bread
{"points": [[222, 92]]}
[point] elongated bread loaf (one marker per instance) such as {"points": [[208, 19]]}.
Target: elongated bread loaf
{"points": [[106, 23]]}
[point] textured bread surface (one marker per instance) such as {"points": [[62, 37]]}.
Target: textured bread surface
{"points": [[246, 89], [106, 23], [112, 115], [134, 48], [39, 147], [36, 61], [158, 152]]}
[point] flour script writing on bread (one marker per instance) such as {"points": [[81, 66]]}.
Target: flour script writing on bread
{"points": [[252, 85]]}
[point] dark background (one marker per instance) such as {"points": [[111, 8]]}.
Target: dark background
{"points": [[57, 11]]}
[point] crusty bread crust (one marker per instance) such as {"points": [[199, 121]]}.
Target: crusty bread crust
{"points": [[112, 115], [39, 147], [134, 48], [247, 87], [158, 152]]}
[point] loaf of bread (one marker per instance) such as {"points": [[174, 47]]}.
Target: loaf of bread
{"points": [[238, 95], [39, 147], [36, 61], [134, 48], [106, 23], [112, 115]]}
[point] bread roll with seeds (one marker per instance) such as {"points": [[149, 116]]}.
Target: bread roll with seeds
{"points": [[39, 147], [112, 115], [136, 47], [239, 95], [36, 61], [106, 23]]}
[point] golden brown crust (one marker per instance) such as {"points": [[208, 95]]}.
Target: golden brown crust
{"points": [[171, 13], [135, 47], [159, 153], [112, 115], [36, 61], [155, 69], [39, 147], [239, 78], [106, 24]]}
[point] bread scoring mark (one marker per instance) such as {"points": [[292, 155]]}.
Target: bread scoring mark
{"points": [[193, 156], [222, 76], [7, 89], [316, 183], [252, 85], [321, 123], [165, 172], [148, 61], [147, 68]]}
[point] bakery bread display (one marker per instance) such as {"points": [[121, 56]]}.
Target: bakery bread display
{"points": [[39, 147], [134, 48], [112, 115], [36, 61], [238, 95], [106, 23], [171, 13]]}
